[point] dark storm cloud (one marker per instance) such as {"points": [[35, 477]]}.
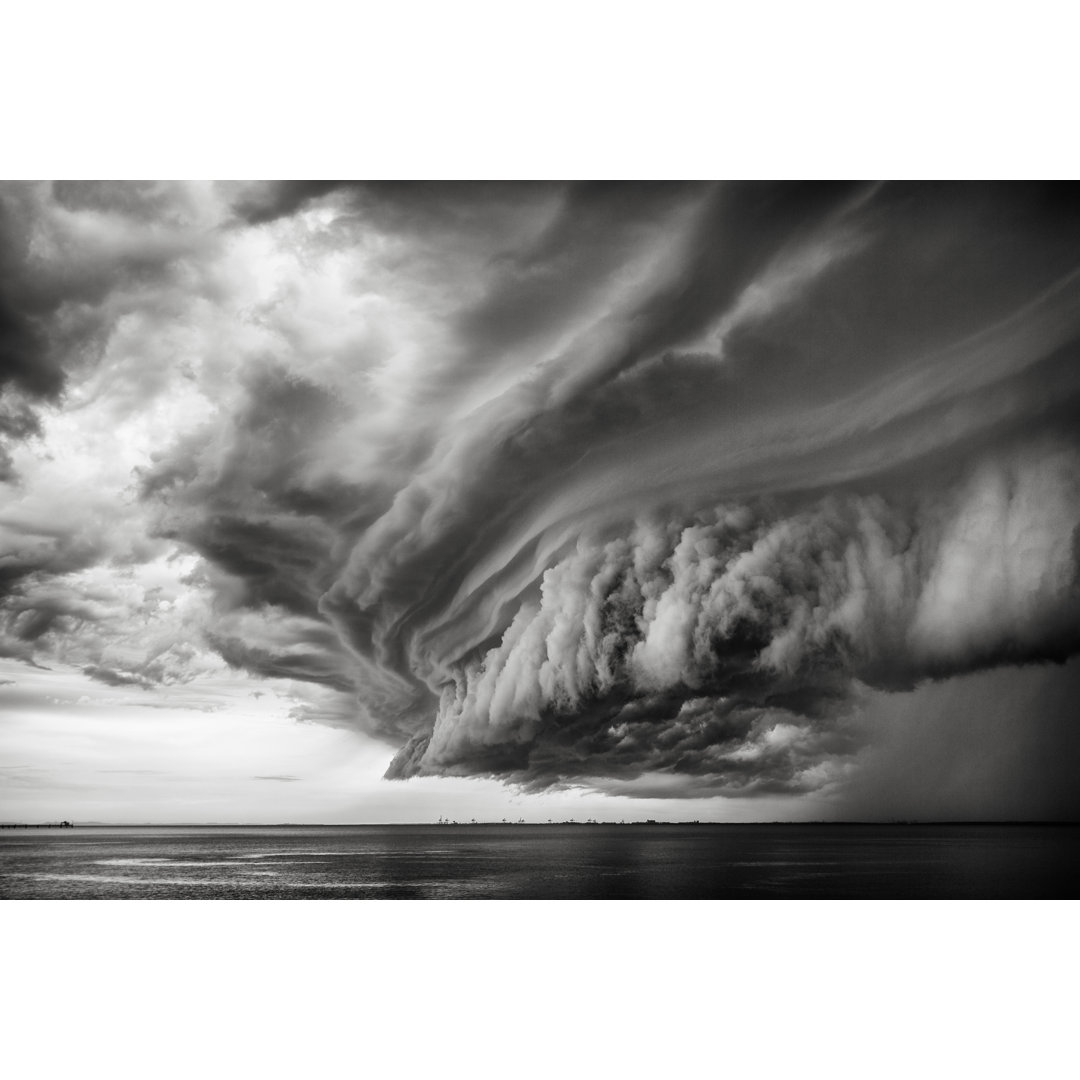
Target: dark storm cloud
{"points": [[268, 202], [242, 502], [116, 678], [730, 648], [646, 486], [594, 229], [675, 473], [75, 260], [18, 422], [99, 285], [46, 553], [316, 666], [54, 279], [399, 204], [31, 613], [25, 361], [148, 201]]}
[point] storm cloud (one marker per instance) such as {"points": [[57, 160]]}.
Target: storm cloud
{"points": [[650, 488]]}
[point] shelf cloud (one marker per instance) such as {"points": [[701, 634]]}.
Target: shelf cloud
{"points": [[650, 488]]}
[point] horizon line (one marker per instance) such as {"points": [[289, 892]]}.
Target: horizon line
{"points": [[503, 822]]}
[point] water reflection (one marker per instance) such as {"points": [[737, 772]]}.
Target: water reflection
{"points": [[543, 862]]}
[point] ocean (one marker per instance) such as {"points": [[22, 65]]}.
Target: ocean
{"points": [[541, 862]]}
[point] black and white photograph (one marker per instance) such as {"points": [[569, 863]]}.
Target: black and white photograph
{"points": [[554, 540], [656, 479]]}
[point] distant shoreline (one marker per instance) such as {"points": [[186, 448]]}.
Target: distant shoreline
{"points": [[16, 826]]}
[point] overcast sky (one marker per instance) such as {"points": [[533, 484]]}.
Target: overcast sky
{"points": [[732, 502]]}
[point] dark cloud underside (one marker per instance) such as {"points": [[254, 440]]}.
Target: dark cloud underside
{"points": [[651, 487]]}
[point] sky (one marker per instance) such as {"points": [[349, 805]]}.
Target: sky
{"points": [[340, 502]]}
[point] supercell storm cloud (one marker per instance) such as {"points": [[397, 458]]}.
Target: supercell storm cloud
{"points": [[600, 484]]}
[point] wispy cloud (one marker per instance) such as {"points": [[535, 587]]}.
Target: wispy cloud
{"points": [[134, 772]]}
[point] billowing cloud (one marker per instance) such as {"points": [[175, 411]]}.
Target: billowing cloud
{"points": [[731, 646], [653, 488]]}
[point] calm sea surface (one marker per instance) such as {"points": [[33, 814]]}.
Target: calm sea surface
{"points": [[547, 862]]}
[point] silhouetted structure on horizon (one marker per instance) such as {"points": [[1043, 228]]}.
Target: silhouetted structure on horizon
{"points": [[39, 825]]}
